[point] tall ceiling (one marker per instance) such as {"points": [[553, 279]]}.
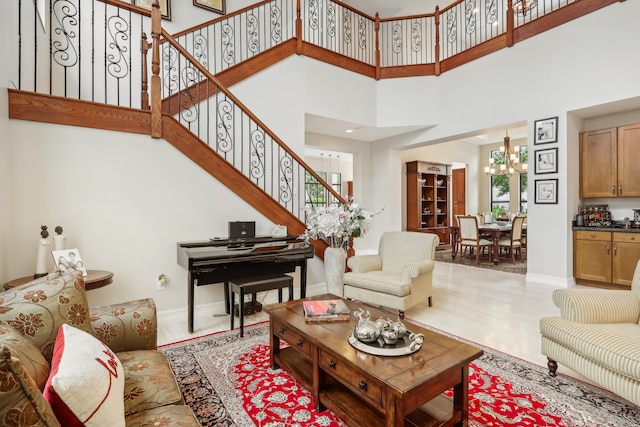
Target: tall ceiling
{"points": [[395, 8], [359, 132]]}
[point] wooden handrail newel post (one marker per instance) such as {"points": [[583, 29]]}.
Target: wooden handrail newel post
{"points": [[144, 48], [298, 28], [437, 46], [156, 93], [510, 23], [377, 29]]}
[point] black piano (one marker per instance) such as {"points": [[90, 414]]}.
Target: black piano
{"points": [[222, 260]]}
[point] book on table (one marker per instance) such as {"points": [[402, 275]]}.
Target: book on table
{"points": [[331, 310]]}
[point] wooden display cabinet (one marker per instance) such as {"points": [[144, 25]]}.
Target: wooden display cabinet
{"points": [[429, 199]]}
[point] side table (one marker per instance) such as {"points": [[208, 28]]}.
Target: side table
{"points": [[95, 279]]}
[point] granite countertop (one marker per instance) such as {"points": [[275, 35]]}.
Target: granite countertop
{"points": [[612, 228]]}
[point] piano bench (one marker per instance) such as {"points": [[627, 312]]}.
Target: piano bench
{"points": [[253, 285]]}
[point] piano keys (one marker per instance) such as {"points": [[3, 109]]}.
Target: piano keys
{"points": [[221, 260]]}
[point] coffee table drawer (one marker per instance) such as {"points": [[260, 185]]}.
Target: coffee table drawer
{"points": [[358, 382], [292, 337]]}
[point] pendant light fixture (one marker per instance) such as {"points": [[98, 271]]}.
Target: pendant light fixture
{"points": [[507, 162]]}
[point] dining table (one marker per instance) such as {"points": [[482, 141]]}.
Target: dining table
{"points": [[494, 231]]}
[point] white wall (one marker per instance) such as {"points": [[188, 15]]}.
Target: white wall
{"points": [[5, 147], [543, 77], [125, 200]]}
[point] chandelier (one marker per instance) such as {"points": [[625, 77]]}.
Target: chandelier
{"points": [[524, 6], [507, 161]]}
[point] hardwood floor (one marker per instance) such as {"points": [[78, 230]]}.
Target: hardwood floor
{"points": [[492, 308]]}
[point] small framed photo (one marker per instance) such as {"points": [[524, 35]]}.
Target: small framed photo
{"points": [[68, 260], [546, 191], [165, 7], [546, 131], [212, 5], [546, 161]]}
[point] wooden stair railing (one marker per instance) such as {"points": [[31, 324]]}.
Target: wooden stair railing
{"points": [[72, 112], [203, 155]]}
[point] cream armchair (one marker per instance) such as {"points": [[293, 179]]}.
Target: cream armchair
{"points": [[598, 336], [399, 276]]}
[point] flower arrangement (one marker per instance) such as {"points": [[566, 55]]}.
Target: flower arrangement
{"points": [[336, 223]]}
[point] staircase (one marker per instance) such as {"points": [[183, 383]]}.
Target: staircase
{"points": [[180, 92]]}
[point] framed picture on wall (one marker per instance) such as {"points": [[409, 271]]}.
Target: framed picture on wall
{"points": [[165, 7], [546, 161], [546, 191], [212, 5], [546, 131]]}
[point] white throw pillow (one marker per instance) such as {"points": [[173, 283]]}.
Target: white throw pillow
{"points": [[86, 384]]}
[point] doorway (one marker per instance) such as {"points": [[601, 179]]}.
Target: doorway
{"points": [[458, 193]]}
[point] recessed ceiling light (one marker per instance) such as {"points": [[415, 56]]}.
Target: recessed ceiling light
{"points": [[349, 131]]}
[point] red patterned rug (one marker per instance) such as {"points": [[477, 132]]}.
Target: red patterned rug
{"points": [[227, 382]]}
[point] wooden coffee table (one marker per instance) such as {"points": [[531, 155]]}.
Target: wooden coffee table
{"points": [[368, 390]]}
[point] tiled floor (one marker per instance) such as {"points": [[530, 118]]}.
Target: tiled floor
{"points": [[495, 309]]}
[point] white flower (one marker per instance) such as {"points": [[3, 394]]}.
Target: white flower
{"points": [[336, 223]]}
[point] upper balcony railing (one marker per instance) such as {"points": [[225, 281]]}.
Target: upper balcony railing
{"points": [[427, 41], [90, 50], [82, 49], [225, 42], [339, 28]]}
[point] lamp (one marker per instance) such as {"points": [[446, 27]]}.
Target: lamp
{"points": [[524, 6], [509, 161]]}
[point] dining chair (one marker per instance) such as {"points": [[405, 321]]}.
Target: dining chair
{"points": [[470, 236], [514, 242], [456, 249]]}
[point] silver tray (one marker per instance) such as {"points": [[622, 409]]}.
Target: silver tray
{"points": [[402, 347]]}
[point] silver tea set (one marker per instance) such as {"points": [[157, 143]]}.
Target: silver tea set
{"points": [[385, 330]]}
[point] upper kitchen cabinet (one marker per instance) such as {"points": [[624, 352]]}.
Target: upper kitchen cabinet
{"points": [[629, 161], [609, 160]]}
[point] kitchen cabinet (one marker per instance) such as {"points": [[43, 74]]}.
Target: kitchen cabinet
{"points": [[429, 200], [592, 256], [605, 258], [625, 256], [608, 162]]}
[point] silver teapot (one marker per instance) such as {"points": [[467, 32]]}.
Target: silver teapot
{"points": [[369, 331], [366, 330], [389, 336]]}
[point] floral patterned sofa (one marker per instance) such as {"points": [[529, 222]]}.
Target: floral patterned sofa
{"points": [[38, 372]]}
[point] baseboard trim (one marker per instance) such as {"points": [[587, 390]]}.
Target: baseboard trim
{"points": [[558, 282]]}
